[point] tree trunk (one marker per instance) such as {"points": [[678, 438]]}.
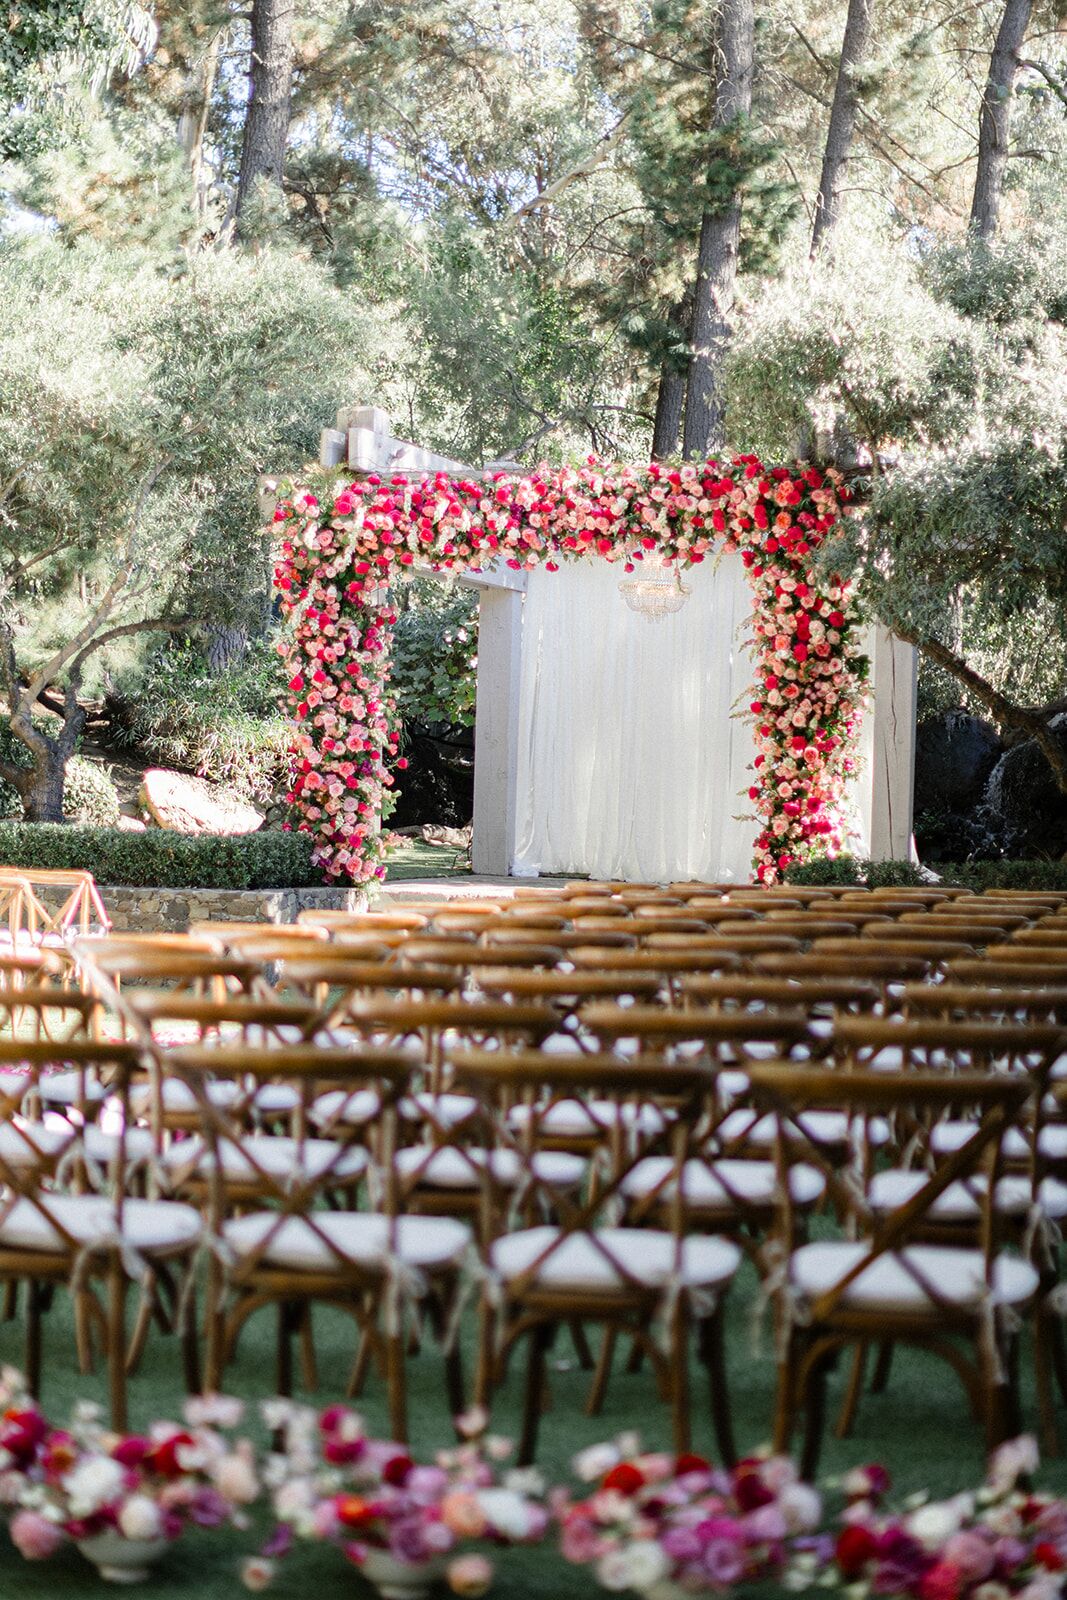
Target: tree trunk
{"points": [[670, 402], [994, 122], [193, 121], [227, 648], [267, 122], [720, 240], [828, 204]]}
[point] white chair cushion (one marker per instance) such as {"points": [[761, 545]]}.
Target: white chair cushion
{"points": [[273, 1156], [362, 1237], [446, 1110], [711, 1186], [823, 1127], [649, 1255], [177, 1096], [353, 1110], [147, 1225], [962, 1202], [449, 1168], [957, 1275], [37, 1144], [573, 1119], [101, 1146], [65, 1088], [732, 1084]]}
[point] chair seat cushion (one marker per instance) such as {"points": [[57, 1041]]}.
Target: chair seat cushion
{"points": [[647, 1254], [962, 1202], [353, 1110], [575, 1119], [451, 1168], [179, 1099], [713, 1185], [360, 1237], [886, 1284], [269, 1155], [147, 1225], [446, 1110], [822, 1127], [68, 1088], [945, 1137]]}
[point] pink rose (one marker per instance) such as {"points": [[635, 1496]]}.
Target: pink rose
{"points": [[34, 1537]]}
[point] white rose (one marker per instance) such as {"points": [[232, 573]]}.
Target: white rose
{"points": [[613, 1571], [505, 1511], [139, 1518], [594, 1462], [92, 1484], [647, 1564], [235, 1480], [934, 1523], [801, 1506], [293, 1497]]}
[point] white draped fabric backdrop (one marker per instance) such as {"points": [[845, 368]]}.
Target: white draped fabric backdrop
{"points": [[632, 762], [634, 756]]}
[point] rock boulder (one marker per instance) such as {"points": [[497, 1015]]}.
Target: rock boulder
{"points": [[1024, 799], [193, 805], [954, 756]]}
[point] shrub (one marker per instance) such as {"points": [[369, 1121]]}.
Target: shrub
{"points": [[976, 875], [160, 859], [227, 728], [89, 795]]}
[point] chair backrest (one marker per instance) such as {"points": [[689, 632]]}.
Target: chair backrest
{"points": [[986, 1102], [655, 1028], [632, 1108]]}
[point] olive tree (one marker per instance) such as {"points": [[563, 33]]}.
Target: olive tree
{"points": [[137, 406]]}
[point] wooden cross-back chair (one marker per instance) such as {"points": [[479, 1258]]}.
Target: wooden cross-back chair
{"points": [[960, 1302], [291, 1253], [335, 983], [582, 1266], [67, 1218]]}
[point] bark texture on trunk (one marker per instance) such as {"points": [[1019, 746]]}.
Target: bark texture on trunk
{"points": [[854, 47], [267, 122], [670, 403], [720, 241], [994, 122]]}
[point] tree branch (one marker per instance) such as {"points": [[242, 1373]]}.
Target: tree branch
{"points": [[584, 168], [124, 630]]}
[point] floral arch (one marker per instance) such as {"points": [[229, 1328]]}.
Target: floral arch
{"points": [[340, 554]]}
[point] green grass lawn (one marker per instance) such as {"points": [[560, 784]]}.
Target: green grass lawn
{"points": [[920, 1428], [416, 859]]}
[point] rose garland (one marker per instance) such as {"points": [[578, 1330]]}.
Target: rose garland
{"points": [[337, 561]]}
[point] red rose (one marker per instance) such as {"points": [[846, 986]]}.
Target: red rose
{"points": [[163, 1457], [942, 1581], [396, 1471], [1049, 1556], [855, 1546], [691, 1463], [625, 1478]]}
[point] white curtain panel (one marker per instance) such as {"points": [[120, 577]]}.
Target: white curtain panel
{"points": [[633, 761]]}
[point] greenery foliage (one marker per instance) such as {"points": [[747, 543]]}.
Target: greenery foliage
{"points": [[161, 859], [435, 644], [846, 870], [224, 726]]}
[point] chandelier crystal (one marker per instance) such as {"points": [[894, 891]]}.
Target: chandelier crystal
{"points": [[657, 591]]}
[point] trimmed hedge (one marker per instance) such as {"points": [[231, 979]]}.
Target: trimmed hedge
{"points": [[976, 875], [160, 859]]}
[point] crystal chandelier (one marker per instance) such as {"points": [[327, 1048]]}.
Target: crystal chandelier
{"points": [[657, 591]]}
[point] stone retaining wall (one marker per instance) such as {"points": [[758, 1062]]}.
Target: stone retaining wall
{"points": [[172, 910]]}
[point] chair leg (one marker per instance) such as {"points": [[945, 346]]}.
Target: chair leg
{"points": [[814, 1419], [680, 1377], [190, 1342], [396, 1382], [540, 1339], [308, 1364], [851, 1402], [285, 1348], [880, 1380], [599, 1386], [360, 1365], [581, 1345], [116, 1342], [83, 1337], [714, 1352], [11, 1300]]}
